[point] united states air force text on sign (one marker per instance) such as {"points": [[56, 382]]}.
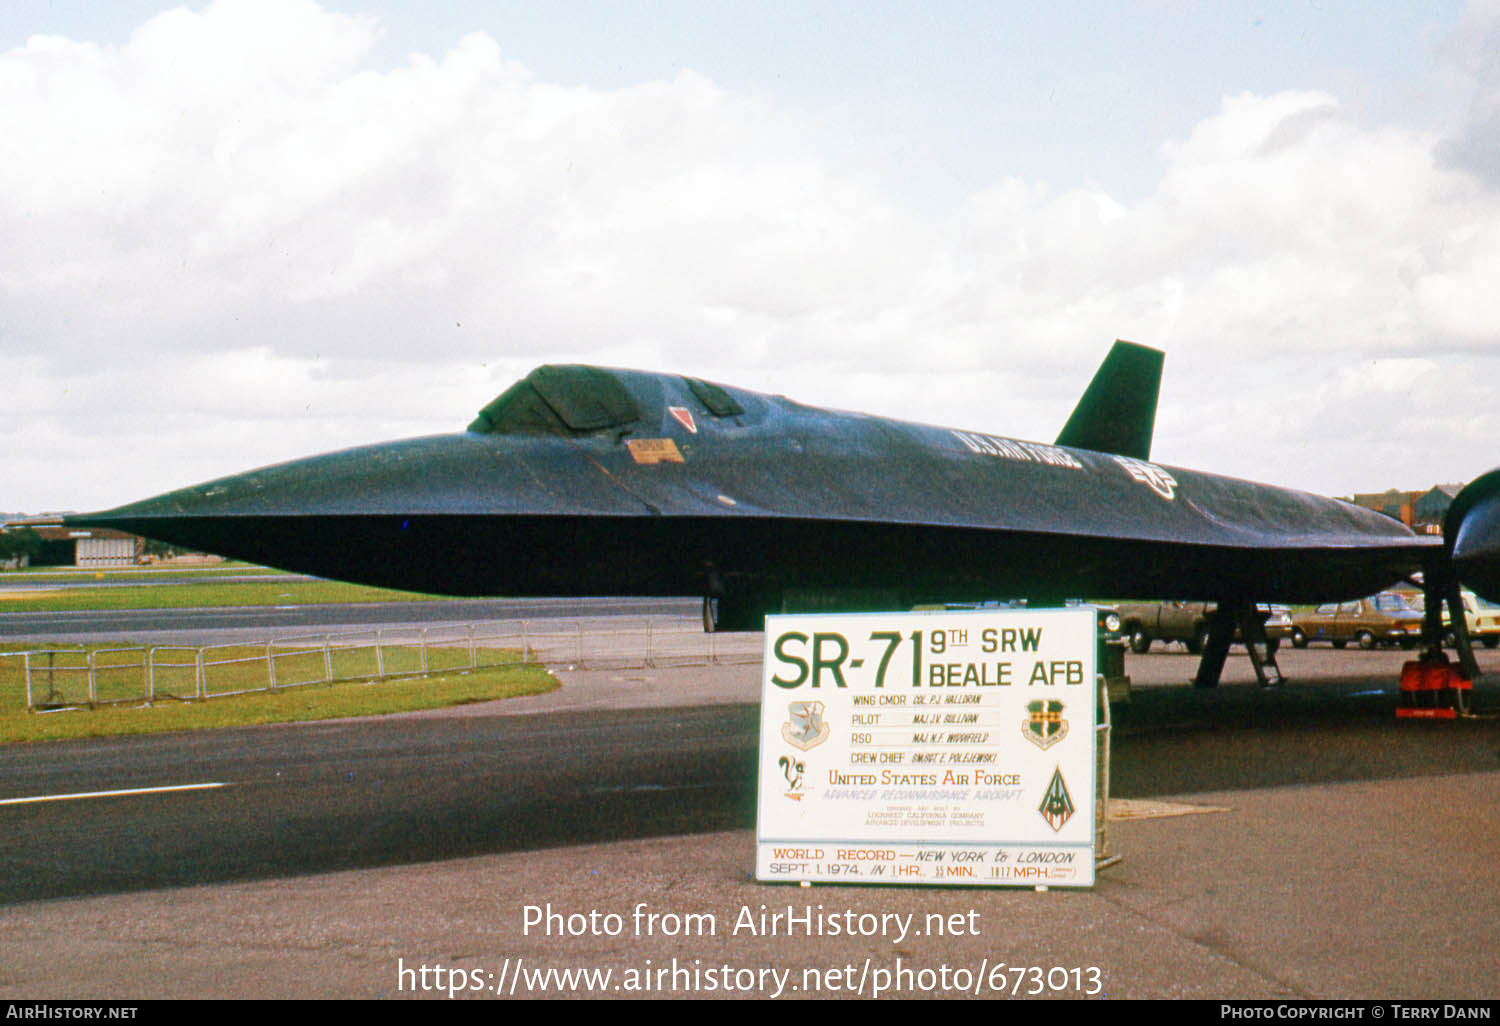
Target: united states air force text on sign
{"points": [[929, 748]]}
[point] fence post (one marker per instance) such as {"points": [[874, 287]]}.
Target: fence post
{"points": [[379, 658], [525, 650], [422, 648], [26, 659], [150, 675], [270, 666], [93, 680], [473, 665], [327, 660]]}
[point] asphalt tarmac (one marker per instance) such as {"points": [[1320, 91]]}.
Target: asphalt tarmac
{"points": [[227, 624], [1289, 843]]}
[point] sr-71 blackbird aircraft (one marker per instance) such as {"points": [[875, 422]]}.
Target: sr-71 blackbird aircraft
{"points": [[587, 481]]}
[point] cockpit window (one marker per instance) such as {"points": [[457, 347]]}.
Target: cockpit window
{"points": [[586, 398], [518, 410], [557, 399], [718, 402]]}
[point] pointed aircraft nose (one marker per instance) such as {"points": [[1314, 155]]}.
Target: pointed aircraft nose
{"points": [[439, 474], [447, 513]]}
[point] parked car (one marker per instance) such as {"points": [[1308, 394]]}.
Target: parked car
{"points": [[1383, 619], [1111, 647], [1481, 615], [1278, 624], [1187, 622]]}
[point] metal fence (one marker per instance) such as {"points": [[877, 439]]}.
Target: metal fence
{"points": [[75, 677]]}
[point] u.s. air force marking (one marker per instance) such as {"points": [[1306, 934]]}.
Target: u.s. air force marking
{"points": [[804, 727], [929, 748], [1044, 726]]}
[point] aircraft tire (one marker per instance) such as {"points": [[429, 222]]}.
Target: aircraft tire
{"points": [[1140, 641], [1365, 639]]}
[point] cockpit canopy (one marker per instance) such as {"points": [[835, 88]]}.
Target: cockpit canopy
{"points": [[576, 399], [559, 399]]}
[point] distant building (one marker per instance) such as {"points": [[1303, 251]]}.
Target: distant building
{"points": [[1422, 511], [1394, 504], [93, 547], [101, 547], [1432, 506]]}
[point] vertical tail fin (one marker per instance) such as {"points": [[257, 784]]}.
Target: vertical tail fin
{"points": [[1117, 413]]}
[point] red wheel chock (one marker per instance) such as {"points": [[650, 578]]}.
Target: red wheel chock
{"points": [[1433, 690]]}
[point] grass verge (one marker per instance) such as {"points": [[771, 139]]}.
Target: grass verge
{"points": [[200, 593], [317, 701], [148, 572]]}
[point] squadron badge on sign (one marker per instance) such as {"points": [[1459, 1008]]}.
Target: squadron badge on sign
{"points": [[1057, 804], [793, 770], [1044, 727], [804, 728]]}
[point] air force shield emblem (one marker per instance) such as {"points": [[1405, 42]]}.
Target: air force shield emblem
{"points": [[805, 728], [1045, 726]]}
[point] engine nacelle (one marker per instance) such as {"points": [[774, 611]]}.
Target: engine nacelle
{"points": [[1471, 534]]}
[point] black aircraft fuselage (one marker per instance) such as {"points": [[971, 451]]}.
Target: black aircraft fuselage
{"points": [[583, 481], [586, 481]]}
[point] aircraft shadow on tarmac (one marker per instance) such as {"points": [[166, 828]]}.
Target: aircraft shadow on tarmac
{"points": [[334, 797], [1181, 740]]}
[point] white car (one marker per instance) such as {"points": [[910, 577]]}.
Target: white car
{"points": [[1482, 616]]}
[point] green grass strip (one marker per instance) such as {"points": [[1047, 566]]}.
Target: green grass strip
{"points": [[203, 593], [119, 676], [149, 572]]}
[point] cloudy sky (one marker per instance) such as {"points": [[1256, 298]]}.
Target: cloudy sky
{"points": [[245, 231]]}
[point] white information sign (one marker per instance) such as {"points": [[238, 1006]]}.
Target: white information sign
{"points": [[929, 748]]}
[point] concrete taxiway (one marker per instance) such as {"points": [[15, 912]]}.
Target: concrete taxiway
{"points": [[213, 625], [1287, 843]]}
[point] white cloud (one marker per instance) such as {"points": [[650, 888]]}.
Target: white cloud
{"points": [[1474, 143], [229, 241]]}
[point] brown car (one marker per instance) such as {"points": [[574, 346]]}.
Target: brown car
{"points": [[1187, 622], [1384, 619]]}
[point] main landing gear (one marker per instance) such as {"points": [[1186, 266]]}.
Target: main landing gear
{"points": [[1431, 686]]}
